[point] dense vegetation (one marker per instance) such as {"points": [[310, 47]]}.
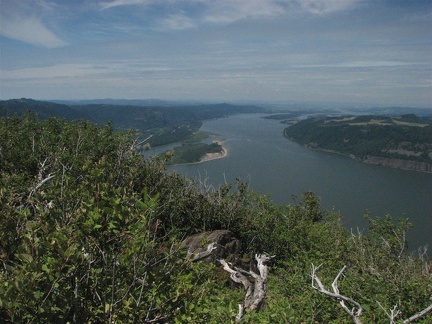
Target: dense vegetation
{"points": [[405, 137], [90, 231]]}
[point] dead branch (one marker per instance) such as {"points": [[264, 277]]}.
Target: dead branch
{"points": [[256, 288], [201, 255], [355, 312], [41, 179], [394, 312], [419, 314]]}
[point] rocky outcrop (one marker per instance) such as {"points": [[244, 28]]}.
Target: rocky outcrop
{"points": [[211, 246], [399, 163]]}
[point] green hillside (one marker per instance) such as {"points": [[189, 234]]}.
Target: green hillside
{"points": [[406, 137], [91, 232], [161, 124]]}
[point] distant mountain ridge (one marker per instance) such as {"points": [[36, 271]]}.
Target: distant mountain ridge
{"points": [[165, 124], [398, 111], [103, 110], [126, 102], [44, 109]]}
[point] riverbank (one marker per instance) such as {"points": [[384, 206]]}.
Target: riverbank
{"points": [[402, 164]]}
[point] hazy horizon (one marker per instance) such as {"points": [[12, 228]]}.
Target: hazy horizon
{"points": [[286, 104], [339, 52]]}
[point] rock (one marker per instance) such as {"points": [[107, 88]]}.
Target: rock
{"points": [[211, 246]]}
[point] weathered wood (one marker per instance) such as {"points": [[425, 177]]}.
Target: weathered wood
{"points": [[357, 309], [355, 312], [256, 288], [202, 254], [419, 314]]}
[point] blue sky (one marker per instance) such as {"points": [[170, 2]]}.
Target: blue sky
{"points": [[369, 52]]}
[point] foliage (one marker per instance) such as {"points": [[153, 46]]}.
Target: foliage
{"points": [[77, 242], [90, 231]]}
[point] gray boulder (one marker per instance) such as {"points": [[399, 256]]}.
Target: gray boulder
{"points": [[212, 246]]}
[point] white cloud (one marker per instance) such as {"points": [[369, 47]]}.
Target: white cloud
{"points": [[220, 11], [122, 69], [358, 64], [48, 72], [20, 23], [118, 3], [177, 22], [321, 7], [226, 11], [229, 11], [29, 30]]}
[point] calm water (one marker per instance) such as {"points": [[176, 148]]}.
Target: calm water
{"points": [[278, 167]]}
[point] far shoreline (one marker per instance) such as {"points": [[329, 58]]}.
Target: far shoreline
{"points": [[370, 159]]}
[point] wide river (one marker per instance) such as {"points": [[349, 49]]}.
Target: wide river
{"points": [[280, 168]]}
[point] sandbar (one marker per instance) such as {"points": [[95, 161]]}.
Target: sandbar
{"points": [[214, 156]]}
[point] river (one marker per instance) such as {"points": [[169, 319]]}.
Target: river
{"points": [[280, 168]]}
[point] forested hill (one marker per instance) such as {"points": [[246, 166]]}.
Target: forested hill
{"points": [[139, 116], [165, 124], [400, 141], [43, 109]]}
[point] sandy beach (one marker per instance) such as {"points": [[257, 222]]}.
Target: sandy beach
{"points": [[214, 156]]}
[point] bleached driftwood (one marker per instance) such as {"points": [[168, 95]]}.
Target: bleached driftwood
{"points": [[355, 312], [419, 314], [196, 256], [394, 312], [357, 309], [256, 288]]}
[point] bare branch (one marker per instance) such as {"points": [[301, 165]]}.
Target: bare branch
{"points": [[240, 313], [41, 179], [237, 276], [201, 255], [393, 312], [419, 314], [355, 312], [256, 288], [53, 287]]}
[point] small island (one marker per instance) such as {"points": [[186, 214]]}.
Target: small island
{"points": [[196, 153], [403, 142]]}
